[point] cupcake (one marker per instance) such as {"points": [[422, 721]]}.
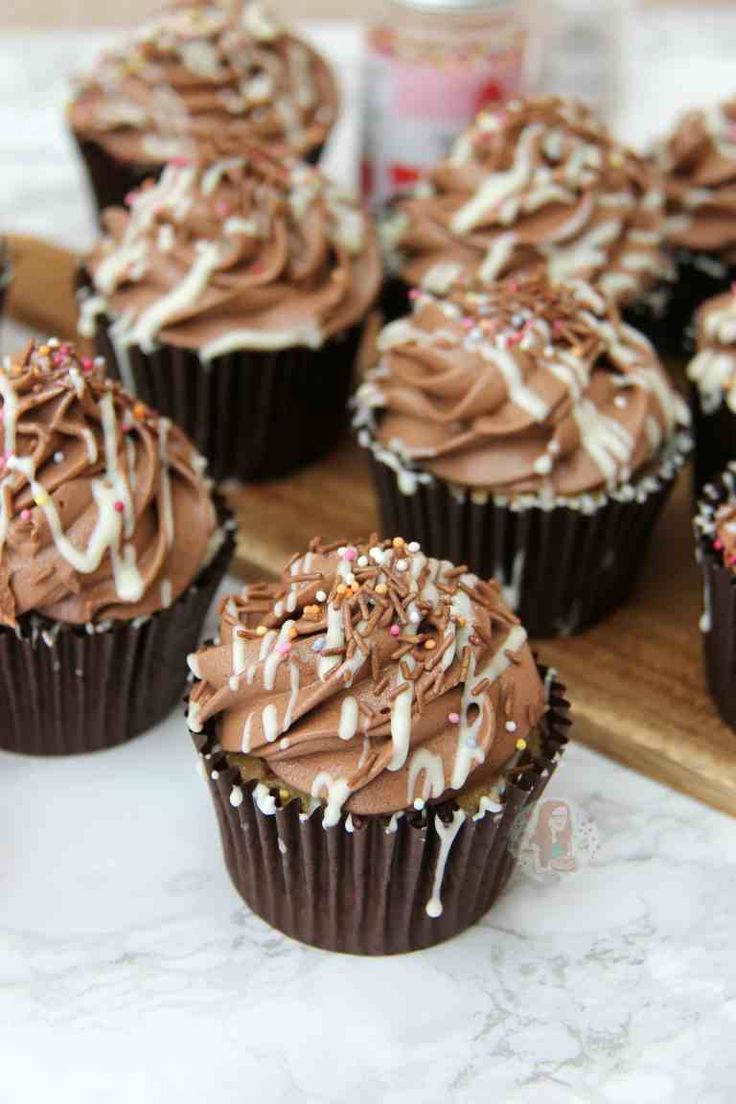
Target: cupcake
{"points": [[372, 731], [524, 429], [698, 162], [538, 184], [715, 536], [111, 549], [195, 71], [712, 373], [232, 296]]}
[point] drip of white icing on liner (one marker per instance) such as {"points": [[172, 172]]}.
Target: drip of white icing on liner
{"points": [[447, 834]]}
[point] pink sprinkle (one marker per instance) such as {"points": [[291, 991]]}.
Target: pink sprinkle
{"points": [[130, 199], [557, 325], [119, 506], [25, 515], [414, 295], [351, 553], [283, 648], [179, 162], [87, 364], [57, 360], [453, 718], [468, 323], [222, 210], [718, 545], [394, 630]]}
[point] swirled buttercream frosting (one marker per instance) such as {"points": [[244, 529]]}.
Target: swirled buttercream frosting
{"points": [[538, 184], [372, 678], [698, 162], [713, 368], [202, 68], [252, 251], [105, 512], [521, 387]]}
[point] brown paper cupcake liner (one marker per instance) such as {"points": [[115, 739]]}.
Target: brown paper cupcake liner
{"points": [[562, 567], [111, 179], [68, 689], [254, 415], [715, 440], [667, 315], [365, 885], [718, 622]]}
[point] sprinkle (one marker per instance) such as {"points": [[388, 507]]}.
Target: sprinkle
{"points": [[261, 630], [362, 561], [415, 616], [413, 294], [510, 726], [312, 612], [401, 565], [58, 457], [380, 588], [139, 410], [318, 644], [222, 209], [321, 596], [520, 744], [341, 588], [351, 554], [130, 199], [283, 648], [419, 803], [398, 542], [453, 718], [43, 350], [87, 364], [179, 162], [25, 515], [718, 545], [41, 499], [394, 630], [120, 506], [413, 546], [430, 645]]}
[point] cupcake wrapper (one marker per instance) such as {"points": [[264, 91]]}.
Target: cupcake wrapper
{"points": [[66, 690], [715, 440], [670, 326], [111, 179], [366, 890], [562, 569], [254, 415], [718, 623]]}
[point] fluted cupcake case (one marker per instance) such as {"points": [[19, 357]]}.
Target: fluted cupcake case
{"points": [[370, 885], [718, 620], [66, 689], [562, 568], [254, 415]]}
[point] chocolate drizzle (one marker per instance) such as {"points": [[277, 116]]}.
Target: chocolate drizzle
{"points": [[105, 512], [539, 184], [410, 680], [203, 68], [523, 387]]}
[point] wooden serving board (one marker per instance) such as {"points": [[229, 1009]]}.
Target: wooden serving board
{"points": [[635, 681]]}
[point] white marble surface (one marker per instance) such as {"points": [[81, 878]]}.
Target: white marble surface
{"points": [[129, 971]]}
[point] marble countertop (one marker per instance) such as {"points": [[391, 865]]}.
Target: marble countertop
{"points": [[129, 970]]}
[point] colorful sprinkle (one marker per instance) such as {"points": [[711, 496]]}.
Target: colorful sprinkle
{"points": [[453, 718], [430, 645], [394, 630], [119, 506], [321, 596], [520, 744], [351, 554], [25, 515], [283, 648], [510, 726], [261, 630]]}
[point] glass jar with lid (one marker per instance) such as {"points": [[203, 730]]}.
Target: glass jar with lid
{"points": [[432, 65]]}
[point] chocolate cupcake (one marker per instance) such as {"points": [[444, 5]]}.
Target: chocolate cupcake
{"points": [[196, 71], [524, 429], [712, 373], [698, 162], [372, 731], [715, 536], [538, 184], [111, 549], [232, 296]]}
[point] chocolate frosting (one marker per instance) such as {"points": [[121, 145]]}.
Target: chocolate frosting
{"points": [[251, 251], [539, 184], [713, 368], [698, 161], [521, 387], [372, 678], [204, 68], [105, 513]]}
